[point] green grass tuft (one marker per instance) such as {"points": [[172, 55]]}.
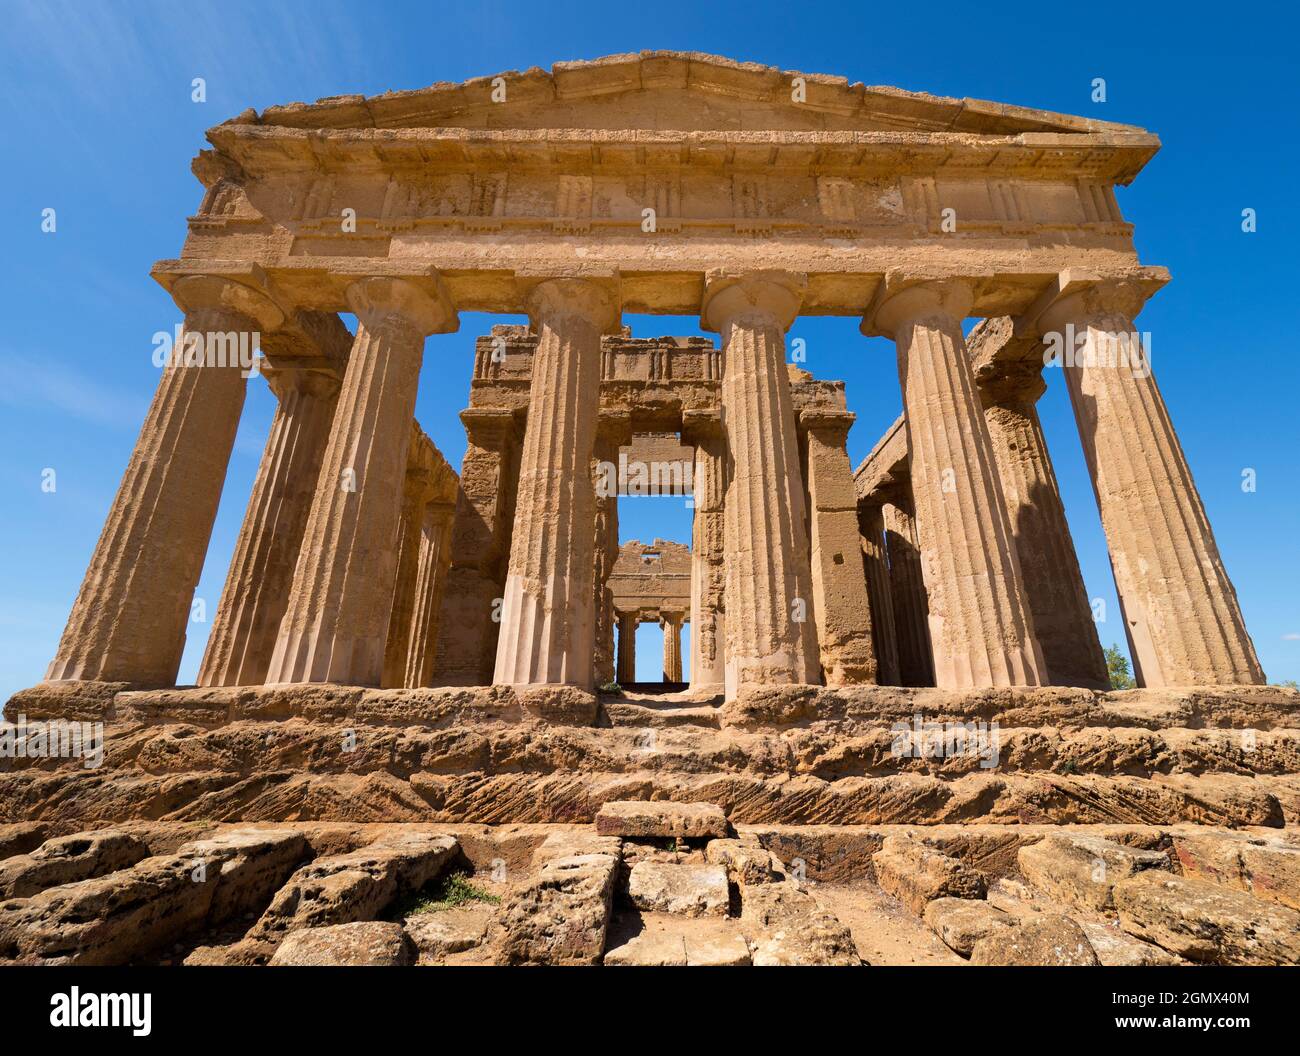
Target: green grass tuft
{"points": [[446, 892]]}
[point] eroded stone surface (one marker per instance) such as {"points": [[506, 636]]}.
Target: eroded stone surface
{"points": [[962, 922], [68, 859], [361, 943], [1082, 870], [660, 818], [692, 890], [916, 874], [561, 915], [1045, 940]]}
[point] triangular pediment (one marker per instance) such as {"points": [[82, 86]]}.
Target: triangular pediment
{"points": [[670, 91]]}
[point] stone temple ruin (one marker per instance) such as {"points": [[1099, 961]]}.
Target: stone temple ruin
{"points": [[898, 743]]}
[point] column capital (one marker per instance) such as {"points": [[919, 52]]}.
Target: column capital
{"points": [[829, 425], [421, 302], [1011, 381], [489, 427], [1073, 296], [593, 299], [902, 299], [308, 378], [700, 424], [773, 296], [226, 293]]}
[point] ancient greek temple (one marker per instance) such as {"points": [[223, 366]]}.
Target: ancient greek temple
{"points": [[658, 183]]}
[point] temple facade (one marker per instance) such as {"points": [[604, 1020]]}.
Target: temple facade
{"points": [[661, 183]]}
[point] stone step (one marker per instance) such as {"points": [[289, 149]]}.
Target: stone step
{"points": [[638, 715], [685, 740], [105, 798]]}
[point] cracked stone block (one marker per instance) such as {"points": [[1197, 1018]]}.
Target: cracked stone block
{"points": [[962, 922], [692, 890], [1116, 948], [916, 874], [1205, 922], [366, 943], [68, 859], [661, 818], [1081, 870], [560, 915], [1044, 940]]}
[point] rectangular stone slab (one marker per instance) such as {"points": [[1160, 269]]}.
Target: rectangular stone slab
{"points": [[660, 818]]}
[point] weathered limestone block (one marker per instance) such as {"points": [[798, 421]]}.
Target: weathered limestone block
{"points": [[567, 843], [1266, 868], [68, 859], [560, 916], [1081, 870], [1117, 949], [692, 890], [113, 919], [746, 861], [365, 943], [962, 922], [787, 926], [256, 591], [440, 934], [356, 886], [650, 949], [663, 818], [916, 874], [21, 837], [839, 583], [1207, 923], [547, 631], [770, 628], [1043, 940], [335, 627], [1181, 613], [981, 630], [129, 620]]}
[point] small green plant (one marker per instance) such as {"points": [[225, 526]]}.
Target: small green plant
{"points": [[613, 688], [1067, 766], [447, 892], [1117, 668], [1288, 683]]}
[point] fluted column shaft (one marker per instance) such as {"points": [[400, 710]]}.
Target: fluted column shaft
{"points": [[435, 556], [1181, 613], [627, 622], [770, 636], [547, 618], [671, 625], [397, 648], [908, 598], [708, 563], [335, 626], [610, 435], [256, 592], [980, 626], [838, 577], [871, 532], [129, 620], [1054, 587]]}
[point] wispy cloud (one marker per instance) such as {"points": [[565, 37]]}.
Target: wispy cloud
{"points": [[28, 382], [1291, 637]]}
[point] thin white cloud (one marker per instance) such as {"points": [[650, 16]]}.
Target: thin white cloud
{"points": [[30, 381], [1291, 637]]}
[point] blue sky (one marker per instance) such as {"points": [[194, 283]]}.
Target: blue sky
{"points": [[99, 125]]}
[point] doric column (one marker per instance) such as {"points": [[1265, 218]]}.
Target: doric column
{"points": [[548, 619], [128, 622], [671, 624], [838, 577], [256, 592], [770, 639], [1181, 614], [612, 432], [480, 548], [416, 490], [435, 555], [907, 595], [703, 429], [980, 627], [1054, 586], [336, 624], [627, 622], [871, 533]]}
